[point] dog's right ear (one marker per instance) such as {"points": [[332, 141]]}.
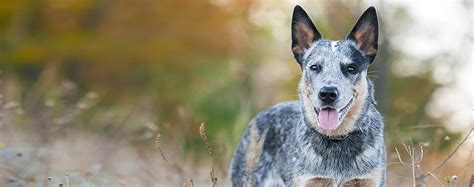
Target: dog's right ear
{"points": [[366, 32], [303, 33]]}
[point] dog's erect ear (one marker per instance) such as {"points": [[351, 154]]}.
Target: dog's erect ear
{"points": [[365, 32], [303, 33]]}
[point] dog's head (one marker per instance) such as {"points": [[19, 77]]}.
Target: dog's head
{"points": [[333, 86]]}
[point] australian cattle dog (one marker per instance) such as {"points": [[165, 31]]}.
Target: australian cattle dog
{"points": [[332, 136]]}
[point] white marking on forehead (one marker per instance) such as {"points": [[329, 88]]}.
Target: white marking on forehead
{"points": [[333, 45]]}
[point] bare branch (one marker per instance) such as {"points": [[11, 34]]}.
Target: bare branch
{"points": [[399, 157], [436, 178], [452, 153]]}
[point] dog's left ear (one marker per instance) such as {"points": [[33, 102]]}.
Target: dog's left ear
{"points": [[365, 33]]}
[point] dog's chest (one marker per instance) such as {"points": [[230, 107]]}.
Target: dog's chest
{"points": [[335, 159], [330, 169]]}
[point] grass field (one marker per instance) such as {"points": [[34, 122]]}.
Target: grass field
{"points": [[59, 142]]}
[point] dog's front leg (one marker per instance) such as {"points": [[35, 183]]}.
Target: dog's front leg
{"points": [[360, 183], [372, 179]]}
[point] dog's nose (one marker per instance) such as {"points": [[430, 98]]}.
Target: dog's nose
{"points": [[328, 94]]}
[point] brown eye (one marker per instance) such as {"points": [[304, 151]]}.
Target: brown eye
{"points": [[351, 70], [314, 68]]}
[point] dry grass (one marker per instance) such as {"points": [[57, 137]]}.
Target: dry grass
{"points": [[212, 176], [45, 140], [202, 132], [54, 136], [419, 177]]}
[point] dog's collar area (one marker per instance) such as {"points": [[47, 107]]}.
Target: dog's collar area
{"points": [[336, 138]]}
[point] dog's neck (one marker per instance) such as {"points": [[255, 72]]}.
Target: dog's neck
{"points": [[364, 132], [337, 138]]}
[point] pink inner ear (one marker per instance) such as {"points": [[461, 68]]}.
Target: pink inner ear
{"points": [[365, 38], [304, 34]]}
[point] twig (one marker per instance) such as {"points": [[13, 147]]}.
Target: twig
{"points": [[452, 153], [436, 178], [418, 178], [401, 177], [421, 153], [414, 162], [406, 148], [202, 132], [175, 167], [412, 154], [393, 163], [468, 165], [158, 146], [399, 157]]}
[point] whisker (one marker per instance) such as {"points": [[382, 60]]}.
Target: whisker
{"points": [[373, 71], [297, 74]]}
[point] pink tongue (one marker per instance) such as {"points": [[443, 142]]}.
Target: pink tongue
{"points": [[328, 118]]}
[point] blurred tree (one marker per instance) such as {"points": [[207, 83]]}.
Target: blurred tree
{"points": [[194, 59], [176, 53]]}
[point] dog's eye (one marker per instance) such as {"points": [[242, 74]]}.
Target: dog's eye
{"points": [[314, 68], [351, 70]]}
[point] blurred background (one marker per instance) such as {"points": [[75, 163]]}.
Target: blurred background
{"points": [[86, 85]]}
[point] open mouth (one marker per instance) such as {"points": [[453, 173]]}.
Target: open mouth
{"points": [[330, 118]]}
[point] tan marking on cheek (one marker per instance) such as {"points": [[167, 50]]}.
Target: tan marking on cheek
{"points": [[360, 93], [307, 104]]}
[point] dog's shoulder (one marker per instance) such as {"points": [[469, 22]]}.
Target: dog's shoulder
{"points": [[275, 122], [279, 115], [271, 126], [275, 125]]}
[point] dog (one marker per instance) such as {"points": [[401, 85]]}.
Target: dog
{"points": [[332, 136]]}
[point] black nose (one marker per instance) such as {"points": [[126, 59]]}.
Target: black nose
{"points": [[328, 94]]}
